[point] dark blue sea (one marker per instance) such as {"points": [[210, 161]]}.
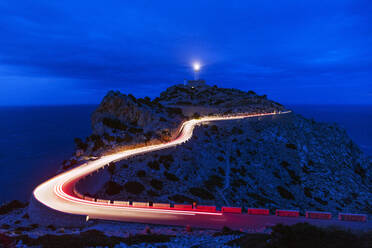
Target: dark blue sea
{"points": [[35, 140], [33, 143]]}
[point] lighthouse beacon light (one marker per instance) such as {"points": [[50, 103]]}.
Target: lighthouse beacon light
{"points": [[196, 67]]}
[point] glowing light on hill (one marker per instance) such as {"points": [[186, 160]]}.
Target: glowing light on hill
{"points": [[196, 66]]}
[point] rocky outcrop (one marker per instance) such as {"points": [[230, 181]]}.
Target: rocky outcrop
{"points": [[125, 110], [123, 120], [217, 100]]}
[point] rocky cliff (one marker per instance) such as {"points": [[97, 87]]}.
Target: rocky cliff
{"points": [[123, 120], [283, 161]]}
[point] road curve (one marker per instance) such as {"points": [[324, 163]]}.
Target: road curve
{"points": [[57, 193]]}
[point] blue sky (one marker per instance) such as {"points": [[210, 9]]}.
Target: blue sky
{"points": [[68, 52]]}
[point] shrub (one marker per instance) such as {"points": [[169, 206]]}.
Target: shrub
{"points": [[294, 176], [308, 236], [260, 199], [219, 101], [166, 160], [80, 144], [154, 165], [347, 201], [232, 159], [360, 171], [94, 137], [91, 238], [174, 111], [21, 229], [291, 146], [214, 128], [156, 184], [227, 231], [195, 116], [111, 168], [253, 152], [324, 203], [250, 240], [118, 139], [135, 130], [67, 166], [51, 227], [98, 143], [149, 135], [180, 199], [237, 130], [221, 171], [113, 188], [152, 193], [213, 182], [107, 137], [305, 169], [242, 171], [146, 100], [128, 138], [114, 123], [238, 182], [220, 158], [276, 174], [307, 192], [305, 236], [238, 153], [284, 164], [141, 173], [202, 193], [5, 226], [284, 193], [184, 103], [134, 187], [10, 206], [171, 177]]}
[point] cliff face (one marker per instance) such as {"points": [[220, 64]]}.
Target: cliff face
{"points": [[283, 161], [124, 108], [123, 119]]}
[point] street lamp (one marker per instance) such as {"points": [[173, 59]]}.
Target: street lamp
{"points": [[196, 67]]}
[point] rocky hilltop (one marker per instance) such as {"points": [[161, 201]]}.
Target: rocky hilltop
{"points": [[284, 161], [123, 120]]}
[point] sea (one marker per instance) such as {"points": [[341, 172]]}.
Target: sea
{"points": [[35, 140]]}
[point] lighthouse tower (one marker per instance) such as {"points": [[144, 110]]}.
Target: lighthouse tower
{"points": [[196, 82]]}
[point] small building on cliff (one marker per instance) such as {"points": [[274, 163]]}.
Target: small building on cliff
{"points": [[196, 83]]}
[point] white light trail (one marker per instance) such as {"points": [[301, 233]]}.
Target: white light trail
{"points": [[51, 193]]}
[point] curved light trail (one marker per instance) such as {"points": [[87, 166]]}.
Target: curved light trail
{"points": [[57, 192]]}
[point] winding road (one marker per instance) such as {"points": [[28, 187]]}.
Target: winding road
{"points": [[58, 193]]}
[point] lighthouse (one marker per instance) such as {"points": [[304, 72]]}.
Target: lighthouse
{"points": [[196, 82]]}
